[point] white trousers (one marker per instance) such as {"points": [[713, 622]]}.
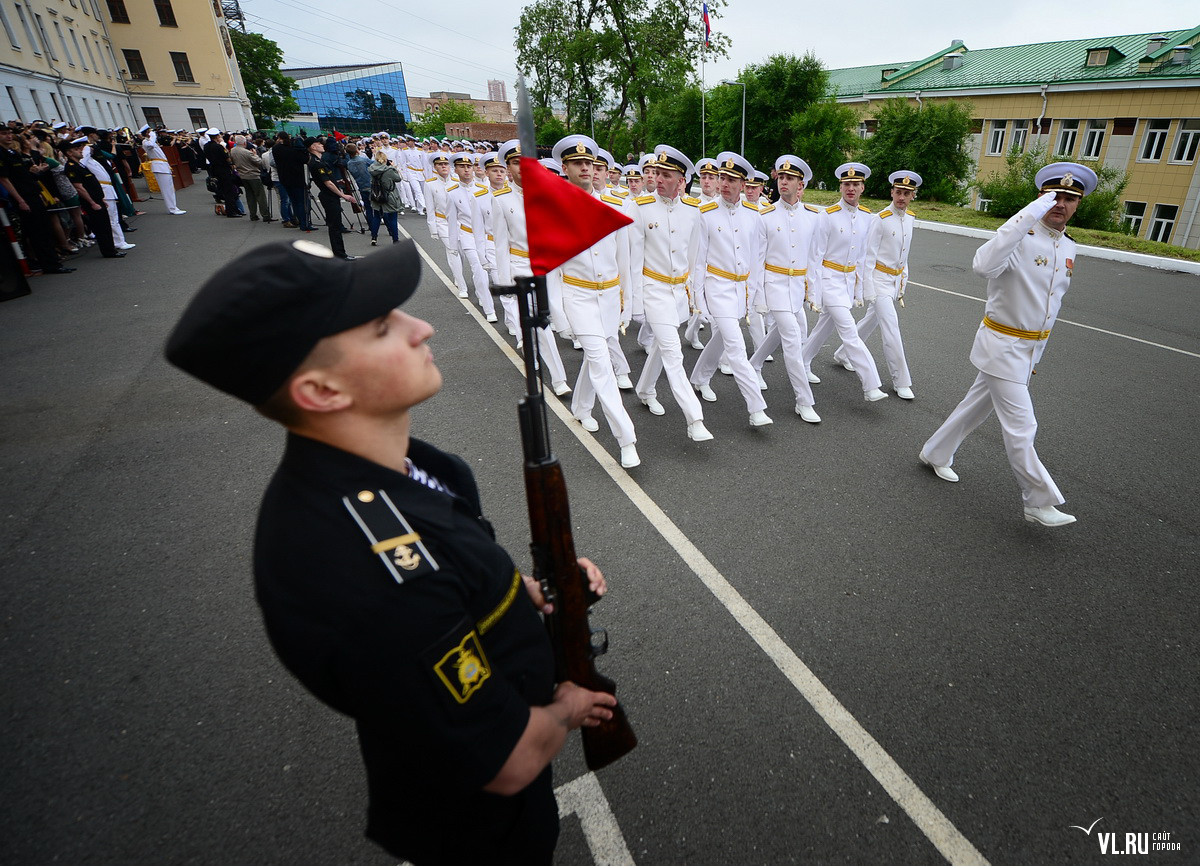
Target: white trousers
{"points": [[645, 336], [453, 259], [692, 332], [483, 293], [666, 353], [616, 355], [882, 315], [727, 338], [417, 184], [166, 185], [1014, 410], [114, 219], [789, 331], [854, 348], [758, 328], [596, 379], [406, 193]]}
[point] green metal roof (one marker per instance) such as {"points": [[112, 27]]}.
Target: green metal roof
{"points": [[1039, 63]]}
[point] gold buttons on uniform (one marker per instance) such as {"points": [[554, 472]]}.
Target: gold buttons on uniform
{"points": [[366, 496]]}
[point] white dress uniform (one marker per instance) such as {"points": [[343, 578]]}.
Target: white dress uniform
{"points": [[885, 273], [437, 200], [692, 333], [162, 171], [512, 259], [110, 197], [461, 220], [485, 248], [778, 284], [835, 282], [414, 175], [1028, 268], [663, 256], [726, 249]]}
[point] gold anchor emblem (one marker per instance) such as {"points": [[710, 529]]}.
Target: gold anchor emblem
{"points": [[406, 558]]}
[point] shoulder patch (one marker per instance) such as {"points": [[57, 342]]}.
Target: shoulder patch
{"points": [[430, 179], [480, 191], [621, 192], [459, 663], [390, 536], [767, 208], [644, 199], [884, 214], [452, 187], [864, 209], [503, 190], [751, 205], [612, 199], [911, 213], [690, 200], [813, 208], [833, 208], [705, 208]]}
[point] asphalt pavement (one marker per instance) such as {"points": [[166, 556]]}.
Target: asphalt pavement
{"points": [[1021, 680]]}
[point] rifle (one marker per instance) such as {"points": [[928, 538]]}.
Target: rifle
{"points": [[555, 566]]}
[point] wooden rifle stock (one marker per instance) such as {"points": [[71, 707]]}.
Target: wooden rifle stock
{"points": [[552, 545]]}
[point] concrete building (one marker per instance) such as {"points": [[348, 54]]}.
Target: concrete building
{"points": [[497, 91], [492, 111], [1131, 102], [121, 63]]}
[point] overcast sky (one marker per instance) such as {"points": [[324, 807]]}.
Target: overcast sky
{"points": [[460, 45]]}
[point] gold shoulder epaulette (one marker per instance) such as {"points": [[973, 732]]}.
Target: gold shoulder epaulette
{"points": [[430, 179], [884, 214], [644, 199], [705, 208], [912, 213], [864, 209], [481, 191], [621, 192], [690, 200], [750, 205], [481, 186], [504, 189], [452, 187], [612, 199], [833, 208], [812, 208], [767, 208]]}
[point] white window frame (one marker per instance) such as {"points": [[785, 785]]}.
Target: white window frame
{"points": [[37, 19], [8, 28], [63, 41], [1161, 227], [1093, 139], [995, 143], [1134, 220], [78, 50], [1154, 140], [983, 205], [1187, 140], [1065, 132], [33, 40], [1020, 135]]}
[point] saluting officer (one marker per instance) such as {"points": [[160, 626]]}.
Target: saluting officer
{"points": [[885, 272], [1028, 266], [592, 284], [787, 236], [836, 282], [663, 258], [512, 255], [161, 168], [726, 248]]}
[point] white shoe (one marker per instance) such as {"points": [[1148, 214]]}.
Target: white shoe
{"points": [[847, 365], [462, 293], [629, 457], [126, 246], [770, 357], [905, 393], [654, 406], [575, 344], [491, 317], [561, 388], [707, 393], [943, 472], [873, 395], [760, 419], [697, 432], [813, 378], [177, 212], [696, 344], [808, 414], [726, 369], [623, 383], [589, 423], [762, 383], [520, 345], [1048, 515]]}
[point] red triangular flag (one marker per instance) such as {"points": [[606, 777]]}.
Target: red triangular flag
{"points": [[561, 220]]}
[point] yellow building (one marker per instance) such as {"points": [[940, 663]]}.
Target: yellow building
{"points": [[112, 63], [1131, 102]]}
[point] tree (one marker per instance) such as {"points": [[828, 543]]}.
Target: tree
{"points": [[930, 140], [451, 111], [782, 88], [676, 122], [269, 90], [824, 137]]}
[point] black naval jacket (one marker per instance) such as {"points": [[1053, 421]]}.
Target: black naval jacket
{"points": [[438, 671]]}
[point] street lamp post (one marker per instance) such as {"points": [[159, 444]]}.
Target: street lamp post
{"points": [[741, 84]]}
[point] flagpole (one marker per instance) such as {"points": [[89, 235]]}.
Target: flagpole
{"points": [[703, 142]]}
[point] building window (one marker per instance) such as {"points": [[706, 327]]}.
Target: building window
{"points": [[1067, 134], [45, 38], [1186, 141], [58, 112], [153, 116], [63, 41], [1093, 139], [116, 11], [1154, 141], [983, 204], [91, 56], [37, 105], [78, 50], [1135, 212], [1020, 135], [197, 117], [1097, 57], [183, 69], [137, 69], [1163, 223], [8, 28], [28, 30], [996, 138], [166, 15]]}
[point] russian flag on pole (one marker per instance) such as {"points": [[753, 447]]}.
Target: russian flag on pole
{"points": [[707, 28]]}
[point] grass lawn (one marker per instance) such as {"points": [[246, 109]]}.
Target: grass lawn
{"points": [[965, 216]]}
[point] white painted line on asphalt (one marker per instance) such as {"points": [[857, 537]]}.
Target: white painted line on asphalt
{"points": [[585, 798], [1066, 322], [954, 846]]}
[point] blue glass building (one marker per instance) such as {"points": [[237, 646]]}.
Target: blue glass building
{"points": [[363, 98]]}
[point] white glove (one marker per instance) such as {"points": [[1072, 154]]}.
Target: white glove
{"points": [[762, 309]]}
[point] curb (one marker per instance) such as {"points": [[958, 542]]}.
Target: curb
{"points": [[1159, 262]]}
